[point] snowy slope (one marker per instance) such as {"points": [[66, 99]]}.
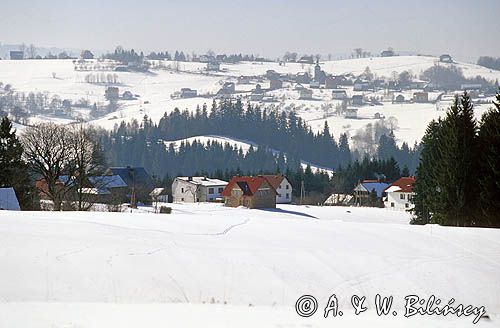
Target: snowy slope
{"points": [[62, 267], [155, 90], [243, 144]]}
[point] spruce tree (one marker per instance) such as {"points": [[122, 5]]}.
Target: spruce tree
{"points": [[489, 183], [13, 170], [427, 198], [457, 169]]}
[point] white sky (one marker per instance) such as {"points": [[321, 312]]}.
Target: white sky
{"points": [[465, 29]]}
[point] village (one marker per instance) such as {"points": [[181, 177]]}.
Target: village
{"points": [[123, 187]]}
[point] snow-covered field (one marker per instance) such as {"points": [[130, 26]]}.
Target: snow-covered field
{"points": [[211, 266], [58, 77]]}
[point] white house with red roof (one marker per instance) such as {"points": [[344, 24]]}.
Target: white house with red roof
{"points": [[398, 195], [283, 188]]}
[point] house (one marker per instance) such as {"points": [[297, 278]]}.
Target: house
{"points": [[282, 186], [16, 55], [244, 79], [421, 97], [357, 100], [471, 87], [306, 60], [207, 59], [445, 58], [362, 85], [139, 182], [351, 112], [213, 66], [363, 189], [305, 94], [399, 99], [333, 82], [188, 93], [197, 189], [101, 188], [399, 194], [314, 85], [251, 192], [303, 78], [228, 88], [275, 84], [87, 54], [339, 200], [272, 74], [159, 195], [387, 53], [339, 94], [127, 95], [418, 84], [8, 200]]}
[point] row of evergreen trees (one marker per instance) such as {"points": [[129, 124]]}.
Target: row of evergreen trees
{"points": [[458, 179], [144, 144]]}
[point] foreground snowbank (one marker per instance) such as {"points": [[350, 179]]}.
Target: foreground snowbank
{"points": [[55, 263]]}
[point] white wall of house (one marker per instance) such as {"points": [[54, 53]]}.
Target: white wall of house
{"points": [[284, 191], [197, 190], [184, 191], [400, 201]]}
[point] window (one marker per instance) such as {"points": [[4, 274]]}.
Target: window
{"points": [[402, 196], [407, 205], [279, 187], [182, 191], [210, 191], [392, 204], [287, 196], [182, 199], [287, 187], [221, 190]]}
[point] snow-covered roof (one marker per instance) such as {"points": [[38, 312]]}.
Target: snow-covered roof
{"points": [[8, 199], [108, 181], [393, 189], [203, 181]]}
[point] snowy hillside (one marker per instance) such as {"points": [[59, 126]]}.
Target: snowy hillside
{"points": [[155, 90], [117, 269], [243, 144]]}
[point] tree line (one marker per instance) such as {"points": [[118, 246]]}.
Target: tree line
{"points": [[284, 138], [458, 178]]}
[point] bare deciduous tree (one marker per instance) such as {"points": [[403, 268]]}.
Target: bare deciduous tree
{"points": [[88, 161], [31, 51], [53, 151], [46, 152]]}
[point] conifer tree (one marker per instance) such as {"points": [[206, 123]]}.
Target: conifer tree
{"points": [[489, 183], [427, 198], [13, 170], [457, 169]]}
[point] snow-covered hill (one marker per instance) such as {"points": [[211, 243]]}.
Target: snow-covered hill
{"points": [[58, 77], [97, 269], [243, 144]]}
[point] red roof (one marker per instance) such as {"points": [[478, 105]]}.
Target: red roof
{"points": [[249, 185], [274, 180], [405, 183]]}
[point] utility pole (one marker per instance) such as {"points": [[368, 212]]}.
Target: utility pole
{"points": [[302, 191]]}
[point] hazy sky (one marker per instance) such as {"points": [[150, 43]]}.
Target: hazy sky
{"points": [[464, 28]]}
